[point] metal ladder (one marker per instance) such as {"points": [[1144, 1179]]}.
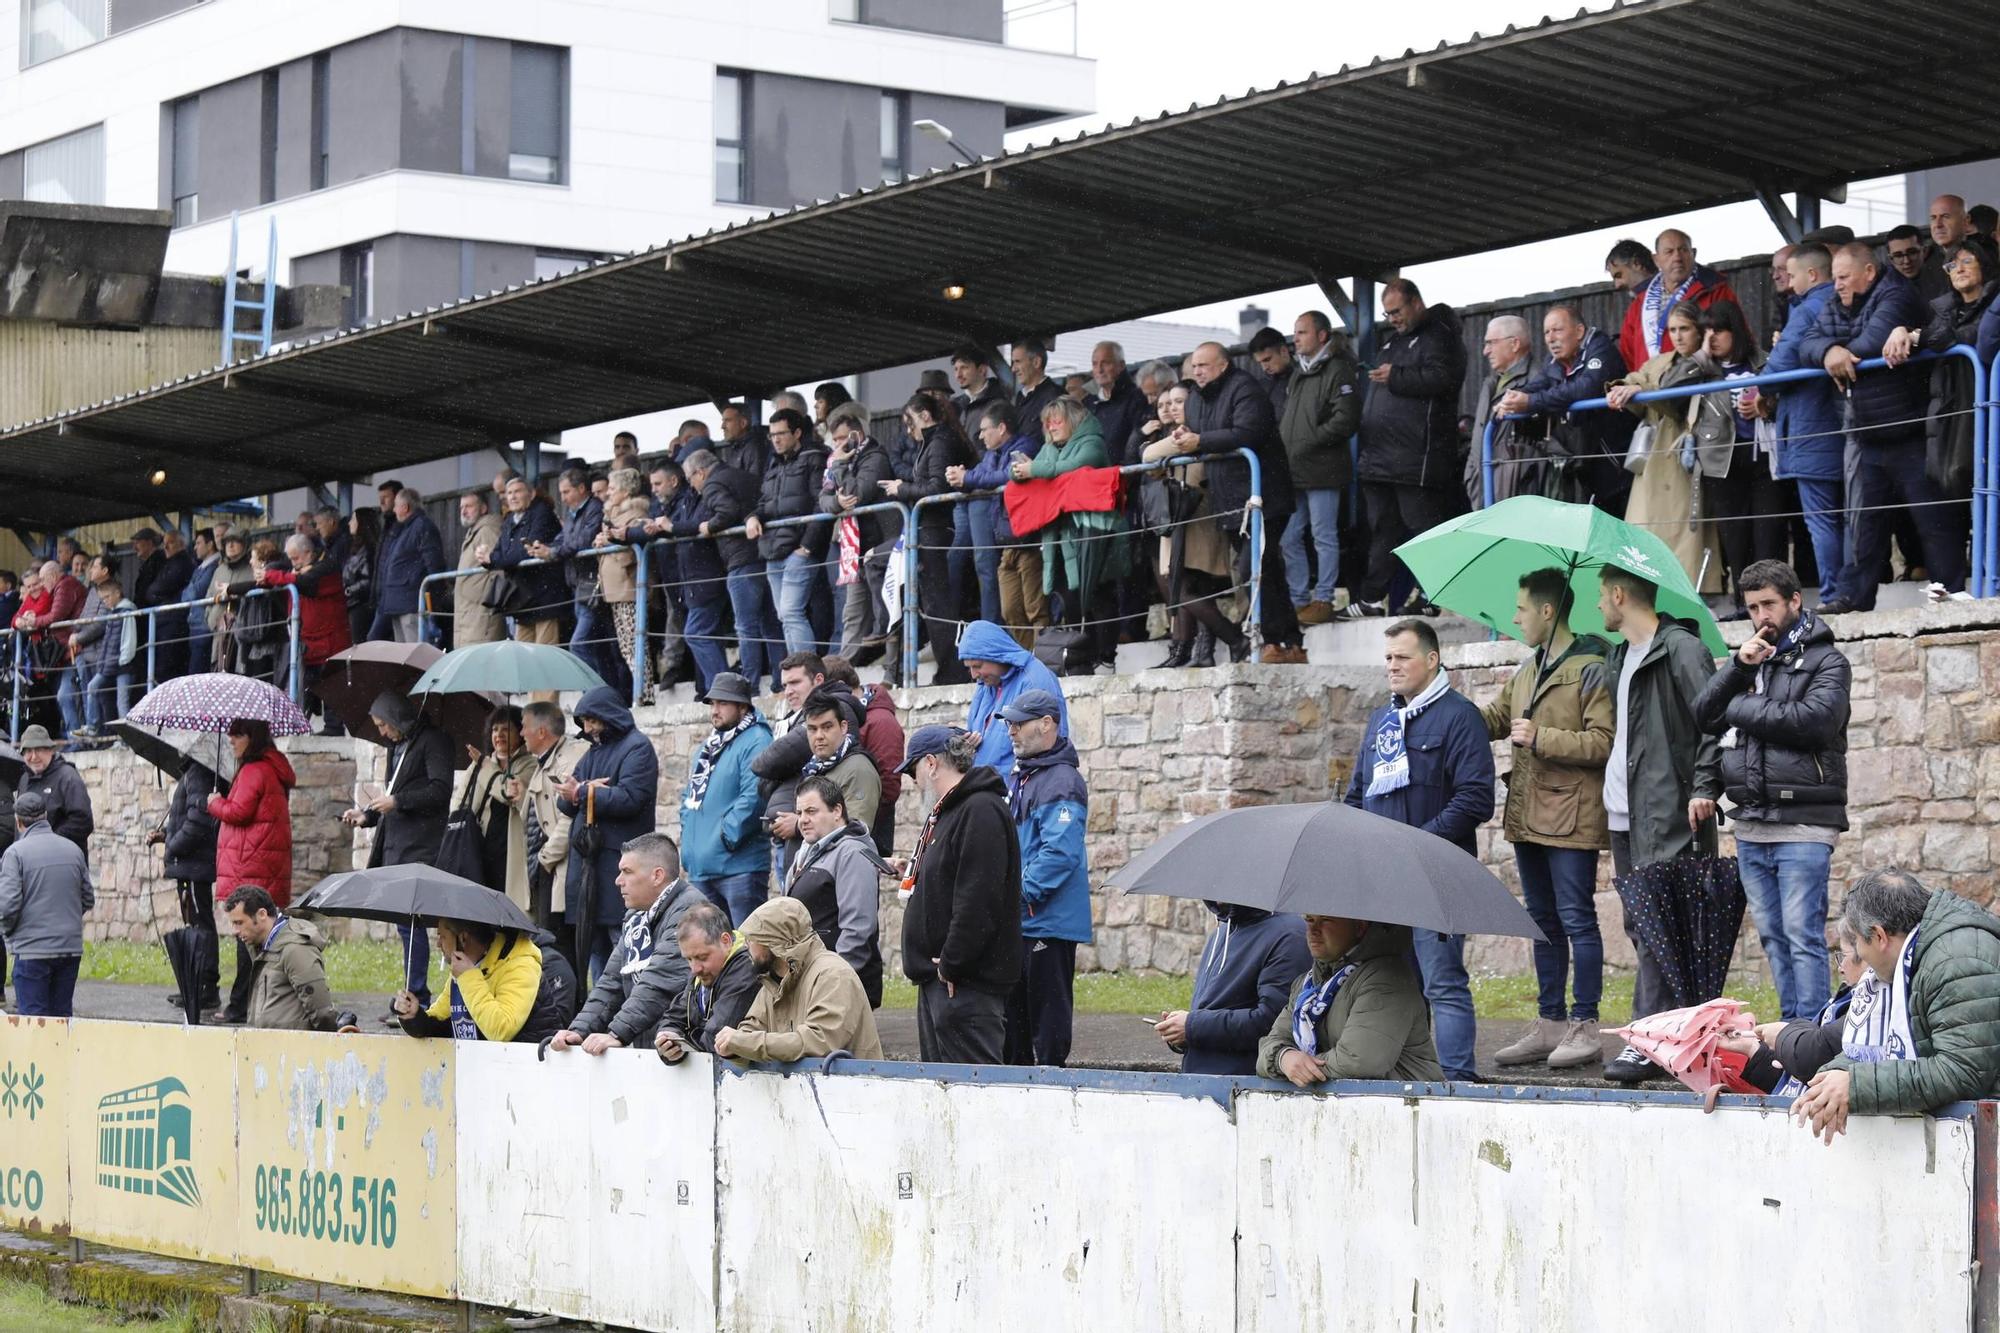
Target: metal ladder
{"points": [[266, 309]]}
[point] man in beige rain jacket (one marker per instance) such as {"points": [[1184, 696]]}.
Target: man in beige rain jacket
{"points": [[809, 1001]]}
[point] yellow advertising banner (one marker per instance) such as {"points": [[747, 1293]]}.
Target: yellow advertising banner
{"points": [[348, 1151], [34, 1124], [152, 1138]]}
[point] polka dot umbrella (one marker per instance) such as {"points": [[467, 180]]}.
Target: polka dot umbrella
{"points": [[210, 702]]}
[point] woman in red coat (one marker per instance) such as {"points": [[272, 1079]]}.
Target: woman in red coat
{"points": [[323, 629], [254, 844]]}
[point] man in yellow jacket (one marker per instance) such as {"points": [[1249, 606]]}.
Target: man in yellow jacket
{"points": [[809, 1000], [493, 986]]}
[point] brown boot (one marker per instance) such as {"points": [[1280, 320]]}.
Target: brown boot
{"points": [[1316, 613]]}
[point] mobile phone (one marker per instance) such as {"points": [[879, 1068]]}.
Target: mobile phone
{"points": [[1149, 1022]]}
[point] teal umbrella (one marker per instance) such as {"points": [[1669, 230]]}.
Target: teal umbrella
{"points": [[1474, 563], [507, 667]]}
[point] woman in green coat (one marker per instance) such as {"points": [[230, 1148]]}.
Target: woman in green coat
{"points": [[1079, 549]]}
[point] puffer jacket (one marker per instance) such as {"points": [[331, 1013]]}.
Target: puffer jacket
{"points": [[1788, 764], [1954, 1018], [1555, 790], [191, 829], [1669, 760], [1409, 426], [254, 845], [791, 488], [1893, 400], [1322, 410], [862, 476], [839, 879], [728, 496], [1810, 445], [1378, 1026], [818, 1006], [940, 448]]}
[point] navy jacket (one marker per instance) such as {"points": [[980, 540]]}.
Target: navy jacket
{"points": [[1120, 417], [992, 473], [1233, 413], [579, 533], [1811, 445], [546, 594], [1409, 426], [1989, 334], [1245, 979], [412, 551], [728, 497], [1450, 792], [1051, 808], [1552, 389], [1880, 396], [624, 806]]}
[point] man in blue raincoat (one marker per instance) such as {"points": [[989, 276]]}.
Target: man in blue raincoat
{"points": [[1002, 671]]}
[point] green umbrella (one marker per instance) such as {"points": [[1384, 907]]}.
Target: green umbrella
{"points": [[507, 667], [1474, 563]]}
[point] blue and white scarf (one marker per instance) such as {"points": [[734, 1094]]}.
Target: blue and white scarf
{"points": [[636, 936], [1794, 639], [1392, 759], [1789, 1085], [704, 760], [1653, 314], [816, 765], [1311, 1007], [1878, 1017]]}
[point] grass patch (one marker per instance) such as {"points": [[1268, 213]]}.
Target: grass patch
{"points": [[351, 965], [25, 1306]]}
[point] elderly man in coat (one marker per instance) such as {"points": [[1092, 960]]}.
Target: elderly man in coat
{"points": [[544, 827]]}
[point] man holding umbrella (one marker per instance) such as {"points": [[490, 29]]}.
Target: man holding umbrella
{"points": [[408, 815], [1427, 763]]}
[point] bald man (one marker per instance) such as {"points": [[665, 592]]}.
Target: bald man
{"points": [[1680, 278], [1949, 224]]}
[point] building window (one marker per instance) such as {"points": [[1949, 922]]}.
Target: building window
{"points": [[895, 136], [732, 151], [534, 146], [185, 172], [56, 27], [69, 170], [322, 108], [357, 274]]}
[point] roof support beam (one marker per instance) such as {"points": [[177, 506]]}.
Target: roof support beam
{"points": [[1335, 292], [361, 404], [639, 367], [946, 324], [1781, 215]]}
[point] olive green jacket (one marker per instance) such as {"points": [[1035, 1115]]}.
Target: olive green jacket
{"points": [[1378, 1026], [1555, 789]]}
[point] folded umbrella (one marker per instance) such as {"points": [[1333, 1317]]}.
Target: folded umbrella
{"points": [[1328, 859], [1473, 564], [184, 950], [1687, 912], [351, 681], [214, 699], [507, 667], [1687, 1043], [408, 894]]}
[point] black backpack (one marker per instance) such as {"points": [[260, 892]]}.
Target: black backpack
{"points": [[1065, 650], [556, 1002]]}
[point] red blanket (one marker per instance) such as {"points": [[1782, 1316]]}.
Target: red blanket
{"points": [[1034, 504]]}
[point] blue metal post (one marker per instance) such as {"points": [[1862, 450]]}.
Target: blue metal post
{"points": [[292, 636], [152, 644], [14, 716], [1486, 462], [910, 594], [344, 497], [531, 462], [640, 652]]}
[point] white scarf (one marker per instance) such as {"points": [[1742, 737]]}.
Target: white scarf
{"points": [[1878, 1017], [1392, 757], [1658, 305]]}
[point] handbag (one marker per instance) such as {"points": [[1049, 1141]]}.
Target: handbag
{"points": [[589, 590], [1642, 445], [508, 595], [462, 849]]}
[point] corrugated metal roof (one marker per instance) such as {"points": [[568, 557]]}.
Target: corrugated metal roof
{"points": [[1617, 115]]}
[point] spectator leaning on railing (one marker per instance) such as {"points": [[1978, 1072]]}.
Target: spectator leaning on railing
{"points": [[411, 552], [472, 620], [617, 572], [534, 592], [794, 556]]}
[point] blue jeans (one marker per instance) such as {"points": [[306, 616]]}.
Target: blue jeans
{"points": [[595, 640], [757, 636], [1441, 963], [1559, 886], [738, 895], [959, 559], [1319, 512], [1786, 885], [981, 516], [69, 698], [112, 684], [701, 631], [1826, 522], [792, 581], [45, 987], [1887, 474], [417, 971]]}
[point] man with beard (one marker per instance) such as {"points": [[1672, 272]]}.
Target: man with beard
{"points": [[1780, 702], [809, 1001], [1051, 807]]}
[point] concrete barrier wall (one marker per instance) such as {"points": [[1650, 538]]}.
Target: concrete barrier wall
{"points": [[890, 1196]]}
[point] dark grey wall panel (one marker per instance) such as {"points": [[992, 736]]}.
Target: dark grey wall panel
{"points": [[492, 89], [322, 268], [412, 272], [366, 98], [981, 20], [294, 128], [11, 182], [432, 97], [980, 126], [496, 266], [811, 139], [131, 13], [231, 153]]}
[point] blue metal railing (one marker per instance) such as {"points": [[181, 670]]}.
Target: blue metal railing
{"points": [[1983, 579]]}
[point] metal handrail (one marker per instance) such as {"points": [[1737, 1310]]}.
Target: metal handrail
{"points": [[1255, 512], [1983, 577], [152, 615]]}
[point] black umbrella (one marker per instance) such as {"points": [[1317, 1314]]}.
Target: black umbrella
{"points": [[586, 840], [351, 681], [1328, 859], [184, 950], [1687, 913], [408, 894], [168, 750]]}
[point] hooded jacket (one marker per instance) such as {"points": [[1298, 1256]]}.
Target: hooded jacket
{"points": [[288, 986], [1669, 760], [984, 641], [1322, 411], [44, 891], [1409, 425], [882, 736], [1051, 808], [839, 879], [68, 799], [966, 909], [624, 805], [1555, 790], [722, 836], [1450, 792], [818, 1006], [254, 843], [704, 1009], [1810, 445], [1954, 1018], [1788, 764], [499, 994], [1247, 969], [1895, 400], [1378, 1026], [638, 987], [420, 778], [1233, 412], [791, 488], [191, 830]]}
